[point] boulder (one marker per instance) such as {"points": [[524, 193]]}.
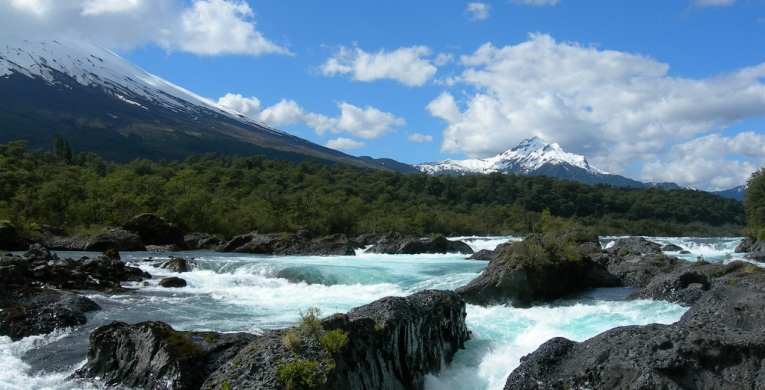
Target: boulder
{"points": [[29, 311], [152, 355], [395, 244], [718, 344], [541, 268], [635, 245], [179, 264], [635, 270], [154, 230], [163, 248], [755, 256], [173, 282], [286, 244], [202, 241], [485, 254], [671, 248], [10, 240], [109, 238], [748, 245], [371, 238], [392, 344]]}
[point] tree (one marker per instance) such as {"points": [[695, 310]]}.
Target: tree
{"points": [[754, 203]]}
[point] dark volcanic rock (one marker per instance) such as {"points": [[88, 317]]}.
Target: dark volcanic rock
{"points": [[540, 268], [179, 264], [485, 254], [202, 241], [154, 230], [392, 344], [748, 245], [10, 240], [718, 344], [152, 355], [755, 256], [635, 245], [28, 311], [371, 238], [302, 243], [398, 245], [671, 248], [116, 239], [163, 248], [637, 271], [172, 282]]}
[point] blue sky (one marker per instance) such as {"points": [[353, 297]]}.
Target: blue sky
{"points": [[653, 90]]}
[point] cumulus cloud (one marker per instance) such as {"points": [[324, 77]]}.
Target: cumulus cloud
{"points": [[535, 2], [417, 137], [618, 109], [478, 11], [407, 65], [366, 123], [713, 3], [204, 27], [344, 144]]}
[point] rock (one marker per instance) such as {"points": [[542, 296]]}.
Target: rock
{"points": [[172, 282], [10, 240], [179, 264], [154, 230], [28, 311], [112, 254], [11, 274], [541, 268], [371, 238], [685, 252], [635, 245], [109, 238], [37, 252], [755, 256], [392, 344], [485, 254], [749, 245], [671, 248], [718, 344], [202, 241], [396, 244], [152, 355], [637, 271], [163, 248], [286, 244]]}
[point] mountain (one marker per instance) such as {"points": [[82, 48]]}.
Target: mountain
{"points": [[99, 102], [532, 157], [733, 193]]}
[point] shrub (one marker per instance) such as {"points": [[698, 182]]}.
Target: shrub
{"points": [[310, 322], [292, 338], [334, 340], [300, 373]]}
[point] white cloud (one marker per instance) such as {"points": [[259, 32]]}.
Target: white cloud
{"points": [[621, 110], [713, 3], [478, 11], [367, 123], [204, 27], [443, 59], [407, 65], [344, 144], [535, 2], [417, 137]]}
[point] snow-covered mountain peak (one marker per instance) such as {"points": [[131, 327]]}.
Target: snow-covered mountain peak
{"points": [[93, 66]]}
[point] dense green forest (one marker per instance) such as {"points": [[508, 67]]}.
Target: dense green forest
{"points": [[234, 195]]}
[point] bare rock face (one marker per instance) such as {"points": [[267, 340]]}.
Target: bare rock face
{"points": [[288, 244], [540, 268], [152, 355], [396, 244], [635, 245], [202, 241], [392, 344], [116, 239], [154, 230]]}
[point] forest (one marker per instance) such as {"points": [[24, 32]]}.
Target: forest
{"points": [[230, 195]]}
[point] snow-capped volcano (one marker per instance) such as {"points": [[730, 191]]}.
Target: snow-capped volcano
{"points": [[102, 103], [529, 156]]}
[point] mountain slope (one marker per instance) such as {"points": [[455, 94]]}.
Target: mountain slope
{"points": [[102, 103], [733, 193]]}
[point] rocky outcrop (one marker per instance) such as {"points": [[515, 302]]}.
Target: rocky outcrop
{"points": [[173, 282], [486, 254], [10, 240], [749, 245], [635, 270], [179, 264], [718, 344], [154, 230], [671, 248], [396, 244], [540, 268], [286, 244], [109, 238], [392, 344], [152, 355], [28, 311], [202, 241], [635, 245]]}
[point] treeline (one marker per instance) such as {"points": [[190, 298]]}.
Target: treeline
{"points": [[235, 195]]}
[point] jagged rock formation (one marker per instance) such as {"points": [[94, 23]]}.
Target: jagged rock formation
{"points": [[285, 244], [635, 270], [202, 241], [154, 230], [540, 268], [718, 344], [109, 238], [152, 355], [179, 264], [635, 245], [486, 254], [398, 244]]}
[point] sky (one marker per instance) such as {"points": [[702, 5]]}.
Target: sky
{"points": [[655, 90]]}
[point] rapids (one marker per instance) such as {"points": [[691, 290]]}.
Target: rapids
{"points": [[233, 292]]}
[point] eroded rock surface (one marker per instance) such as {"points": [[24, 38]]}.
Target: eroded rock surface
{"points": [[397, 244], [286, 244]]}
